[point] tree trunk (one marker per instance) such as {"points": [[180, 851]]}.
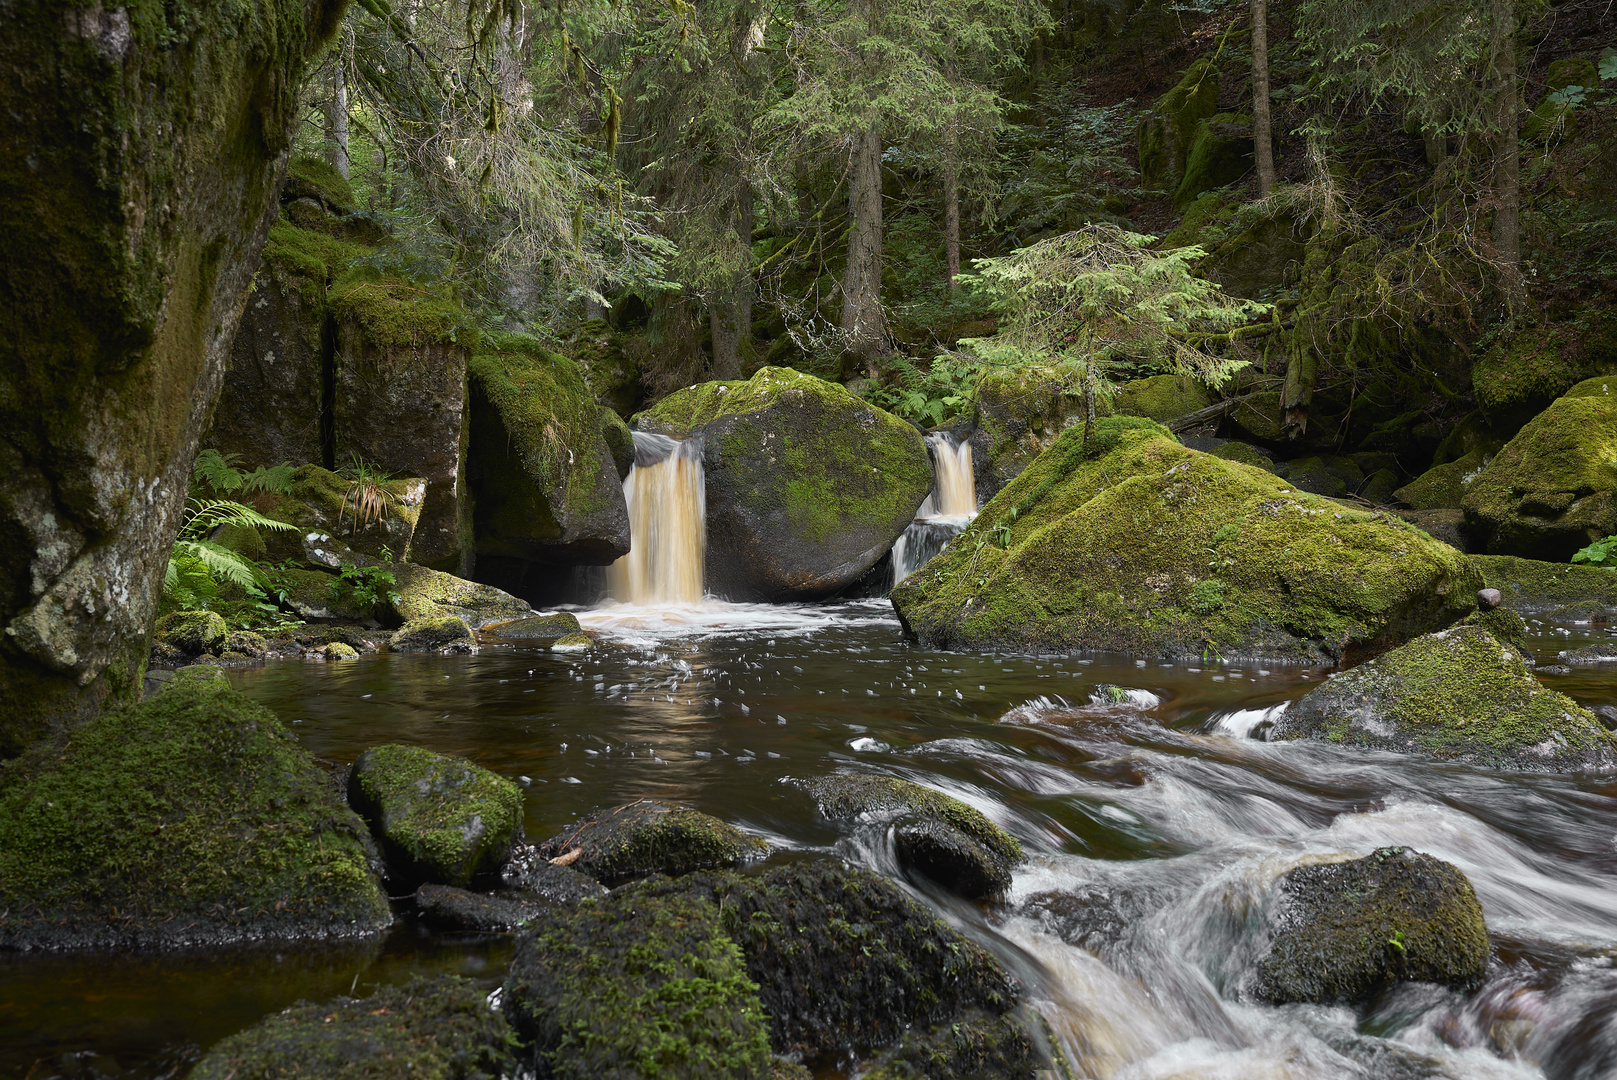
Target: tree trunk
{"points": [[864, 327], [1507, 238], [1262, 139], [337, 118], [951, 212], [726, 355], [744, 283]]}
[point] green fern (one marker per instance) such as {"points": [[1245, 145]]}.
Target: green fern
{"points": [[199, 563]]}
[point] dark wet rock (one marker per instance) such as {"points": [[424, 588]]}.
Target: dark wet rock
{"points": [[192, 633], [425, 593], [807, 485], [644, 982], [1378, 487], [1606, 714], [192, 818], [1558, 590], [1331, 476], [1166, 132], [449, 908], [246, 643], [1246, 454], [438, 818], [1447, 526], [539, 627], [318, 596], [144, 151], [951, 858], [845, 961], [1460, 695], [975, 1047], [1339, 932], [444, 634], [934, 834], [1553, 489], [1589, 656], [1133, 543], [1092, 916], [529, 871], [1444, 486], [439, 1029], [648, 837]]}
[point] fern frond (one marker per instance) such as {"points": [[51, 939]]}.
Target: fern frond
{"points": [[217, 470], [205, 515], [221, 563], [274, 478]]}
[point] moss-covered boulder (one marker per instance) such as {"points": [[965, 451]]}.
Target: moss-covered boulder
{"points": [[1444, 486], [319, 597], [570, 643], [1561, 590], [1341, 931], [1447, 526], [807, 486], [612, 374], [399, 399], [546, 481], [192, 818], [192, 632], [1161, 397], [1220, 153], [438, 818], [642, 983], [442, 634], [431, 594], [648, 837], [1333, 476], [1555, 119], [1134, 543], [1020, 411], [974, 1048], [445, 907], [1553, 488], [1165, 133], [1260, 413], [845, 961], [1518, 377], [1245, 453], [340, 650], [142, 147], [437, 1029], [934, 834], [1459, 695], [536, 628], [330, 533]]}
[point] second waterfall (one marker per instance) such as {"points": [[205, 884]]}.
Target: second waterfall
{"points": [[666, 493]]}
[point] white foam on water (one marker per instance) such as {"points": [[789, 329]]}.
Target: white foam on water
{"points": [[648, 624], [1243, 722]]}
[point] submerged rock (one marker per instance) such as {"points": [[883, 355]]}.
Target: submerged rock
{"points": [[647, 837], [1136, 544], [192, 818], [935, 834], [1553, 488], [644, 982], [1459, 695], [807, 485], [439, 1029], [845, 961], [449, 908], [438, 818], [545, 479], [1341, 931], [572, 643], [539, 627], [444, 634]]}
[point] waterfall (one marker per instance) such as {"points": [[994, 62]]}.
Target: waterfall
{"points": [[667, 524], [945, 512]]}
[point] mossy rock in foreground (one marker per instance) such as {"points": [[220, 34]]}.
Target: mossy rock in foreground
{"points": [[427, 594], [1342, 931], [1459, 695], [444, 634], [442, 1029], [642, 983], [1133, 543], [807, 485], [1553, 488], [537, 627], [438, 818], [192, 818], [647, 837], [976, 1047], [192, 632]]}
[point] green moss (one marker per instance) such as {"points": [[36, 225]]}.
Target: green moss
{"points": [[1111, 552], [1022, 410], [315, 176], [435, 633], [1444, 486], [433, 594], [611, 374], [192, 632], [306, 261], [191, 817], [439, 818], [1246, 454], [337, 650], [547, 471], [541, 627], [642, 983], [1344, 931], [1166, 131], [439, 1029], [648, 837], [1161, 397], [1531, 587], [1553, 488], [396, 313], [845, 797], [1458, 694], [976, 1046], [1524, 373], [572, 643], [1220, 153]]}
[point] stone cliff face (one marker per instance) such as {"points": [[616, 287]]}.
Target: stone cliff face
{"points": [[140, 151]]}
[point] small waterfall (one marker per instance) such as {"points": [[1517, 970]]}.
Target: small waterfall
{"points": [[667, 524], [946, 511]]}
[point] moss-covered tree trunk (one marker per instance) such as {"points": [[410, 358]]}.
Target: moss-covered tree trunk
{"points": [[140, 150]]}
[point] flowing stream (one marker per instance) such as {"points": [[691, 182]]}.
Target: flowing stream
{"points": [[1154, 815], [945, 512]]}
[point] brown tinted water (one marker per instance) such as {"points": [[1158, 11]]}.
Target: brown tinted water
{"points": [[1153, 817]]}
